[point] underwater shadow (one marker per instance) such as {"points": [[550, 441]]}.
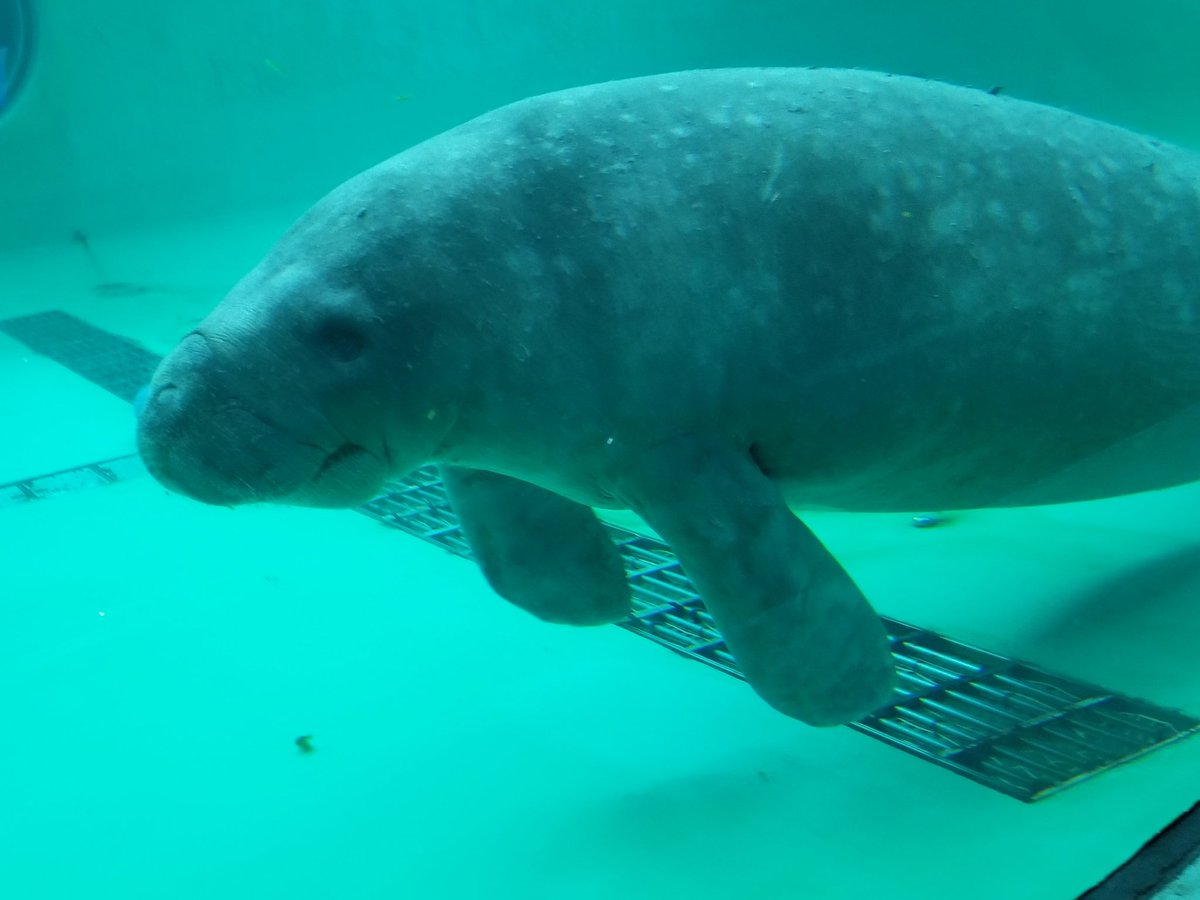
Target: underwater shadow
{"points": [[1136, 632]]}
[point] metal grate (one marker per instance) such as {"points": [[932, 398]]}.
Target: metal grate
{"points": [[68, 481], [1005, 724], [115, 363], [1011, 725]]}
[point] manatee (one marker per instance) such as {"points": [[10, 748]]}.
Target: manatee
{"points": [[715, 298]]}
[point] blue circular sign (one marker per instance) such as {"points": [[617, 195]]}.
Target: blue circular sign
{"points": [[16, 48]]}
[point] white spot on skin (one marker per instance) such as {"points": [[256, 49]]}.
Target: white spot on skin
{"points": [[966, 171], [525, 262], [949, 218], [566, 265], [768, 192], [912, 182], [721, 117]]}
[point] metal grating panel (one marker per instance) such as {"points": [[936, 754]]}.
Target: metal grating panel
{"points": [[67, 481], [115, 363], [1005, 724]]}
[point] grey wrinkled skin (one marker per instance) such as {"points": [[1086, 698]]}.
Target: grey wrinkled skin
{"points": [[709, 296]]}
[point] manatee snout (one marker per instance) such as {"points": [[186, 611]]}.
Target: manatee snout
{"points": [[209, 431], [199, 440]]}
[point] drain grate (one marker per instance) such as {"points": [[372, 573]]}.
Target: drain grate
{"points": [[1008, 725], [115, 363], [67, 481], [1005, 724]]}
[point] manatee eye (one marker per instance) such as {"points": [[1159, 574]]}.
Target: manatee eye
{"points": [[340, 339]]}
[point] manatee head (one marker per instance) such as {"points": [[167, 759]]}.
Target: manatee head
{"points": [[293, 390]]}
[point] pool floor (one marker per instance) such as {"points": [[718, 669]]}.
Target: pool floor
{"points": [[160, 659]]}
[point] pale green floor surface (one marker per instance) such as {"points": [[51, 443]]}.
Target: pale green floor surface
{"points": [[465, 750]]}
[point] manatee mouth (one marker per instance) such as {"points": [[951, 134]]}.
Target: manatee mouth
{"points": [[338, 457], [240, 456], [344, 459], [223, 436], [349, 471]]}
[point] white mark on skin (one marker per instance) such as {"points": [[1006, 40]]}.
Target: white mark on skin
{"points": [[768, 193], [950, 217], [525, 261], [721, 116], [565, 264]]}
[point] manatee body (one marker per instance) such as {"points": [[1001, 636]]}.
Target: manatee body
{"points": [[711, 296]]}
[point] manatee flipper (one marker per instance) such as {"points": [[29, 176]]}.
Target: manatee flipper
{"points": [[546, 554], [802, 632]]}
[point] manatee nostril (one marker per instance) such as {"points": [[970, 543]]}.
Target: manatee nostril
{"points": [[161, 399], [342, 340]]}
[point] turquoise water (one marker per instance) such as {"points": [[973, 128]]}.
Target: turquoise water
{"points": [[146, 113], [160, 658]]}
